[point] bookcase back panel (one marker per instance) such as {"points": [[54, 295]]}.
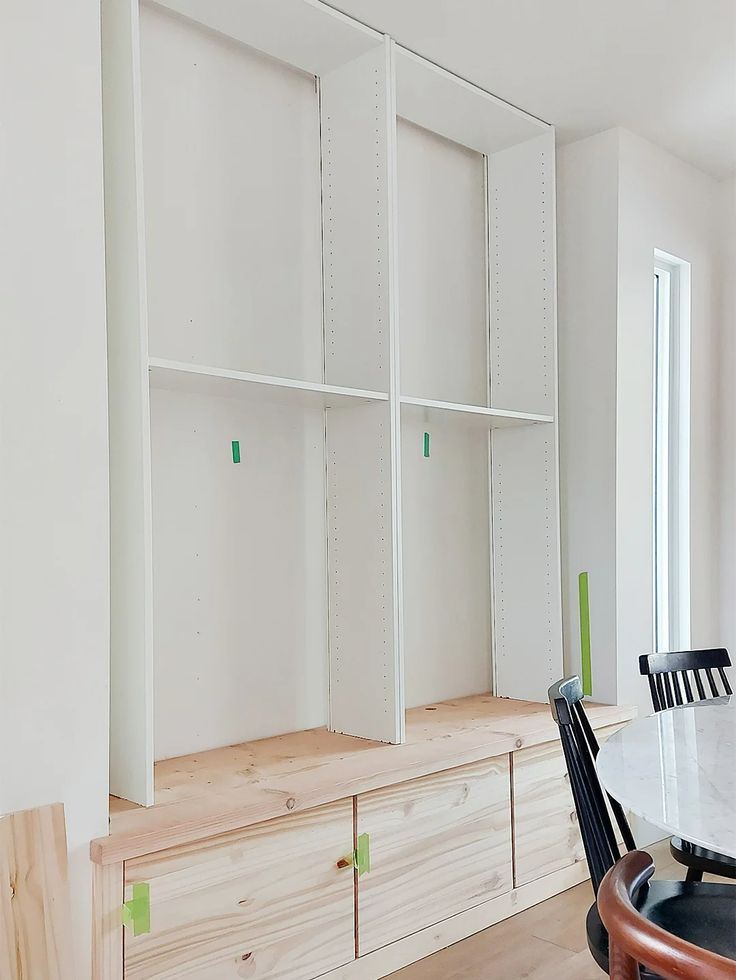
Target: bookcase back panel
{"points": [[522, 263], [442, 268], [240, 624], [526, 562], [232, 201], [446, 561]]}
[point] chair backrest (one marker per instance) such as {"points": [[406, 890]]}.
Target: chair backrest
{"points": [[580, 747], [670, 680], [633, 939]]}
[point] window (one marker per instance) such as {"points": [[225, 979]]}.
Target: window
{"points": [[671, 453]]}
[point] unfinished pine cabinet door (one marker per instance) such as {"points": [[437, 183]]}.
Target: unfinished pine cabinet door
{"points": [[439, 845], [268, 901], [546, 833]]}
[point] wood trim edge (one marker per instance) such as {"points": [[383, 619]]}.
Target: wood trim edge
{"points": [[107, 924]]}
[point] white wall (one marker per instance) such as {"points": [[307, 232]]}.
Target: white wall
{"points": [[619, 198], [727, 444], [587, 262], [53, 428], [669, 205]]}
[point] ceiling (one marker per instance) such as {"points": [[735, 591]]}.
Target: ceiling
{"points": [[663, 68]]}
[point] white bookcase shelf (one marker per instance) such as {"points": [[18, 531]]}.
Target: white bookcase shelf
{"points": [[484, 418], [219, 382], [339, 257]]}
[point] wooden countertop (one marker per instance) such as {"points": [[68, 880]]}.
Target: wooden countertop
{"points": [[214, 792]]}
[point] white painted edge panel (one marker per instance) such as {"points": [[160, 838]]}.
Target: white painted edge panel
{"points": [[526, 562], [356, 159], [439, 101], [365, 697], [131, 628], [522, 240], [304, 33], [221, 382]]}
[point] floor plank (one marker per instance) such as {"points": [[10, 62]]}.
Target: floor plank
{"points": [[544, 943]]}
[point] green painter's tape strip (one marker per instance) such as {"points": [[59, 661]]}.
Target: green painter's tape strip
{"points": [[136, 913], [363, 854], [586, 671], [426, 445], [236, 451]]}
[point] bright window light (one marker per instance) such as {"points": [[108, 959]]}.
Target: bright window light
{"points": [[671, 453]]}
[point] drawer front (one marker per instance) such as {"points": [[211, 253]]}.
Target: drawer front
{"points": [[546, 833], [439, 845], [264, 902]]}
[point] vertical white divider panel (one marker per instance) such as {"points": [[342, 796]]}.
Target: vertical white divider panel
{"points": [[365, 681], [131, 641], [358, 114], [526, 561], [522, 232], [357, 151]]}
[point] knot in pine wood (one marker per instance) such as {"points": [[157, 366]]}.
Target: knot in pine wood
{"points": [[290, 803]]}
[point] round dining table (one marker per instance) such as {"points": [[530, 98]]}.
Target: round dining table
{"points": [[677, 770]]}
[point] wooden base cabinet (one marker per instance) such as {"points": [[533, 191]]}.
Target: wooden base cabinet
{"points": [[546, 833], [319, 856], [439, 846], [266, 902]]}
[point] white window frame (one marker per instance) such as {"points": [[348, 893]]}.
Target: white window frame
{"points": [[671, 503]]}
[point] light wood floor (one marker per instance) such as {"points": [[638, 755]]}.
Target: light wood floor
{"points": [[546, 942]]}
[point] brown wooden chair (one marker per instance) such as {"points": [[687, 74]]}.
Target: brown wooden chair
{"points": [[634, 939]]}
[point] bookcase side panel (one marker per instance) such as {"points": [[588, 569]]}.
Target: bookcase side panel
{"points": [[365, 672], [522, 233], [356, 140], [131, 637]]}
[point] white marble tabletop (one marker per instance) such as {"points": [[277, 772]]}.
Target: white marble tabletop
{"points": [[677, 769]]}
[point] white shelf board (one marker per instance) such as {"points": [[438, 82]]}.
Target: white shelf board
{"points": [[490, 418], [443, 103], [222, 383], [305, 33]]}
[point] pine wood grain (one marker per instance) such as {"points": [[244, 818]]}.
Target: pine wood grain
{"points": [[409, 949], [218, 791], [107, 926], [35, 920], [546, 832], [439, 846], [544, 942], [267, 902]]}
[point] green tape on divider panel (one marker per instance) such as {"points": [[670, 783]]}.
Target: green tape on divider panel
{"points": [[426, 445], [136, 913], [585, 669], [363, 854], [236, 451]]}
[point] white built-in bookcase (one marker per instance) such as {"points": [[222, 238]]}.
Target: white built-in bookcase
{"points": [[341, 257]]}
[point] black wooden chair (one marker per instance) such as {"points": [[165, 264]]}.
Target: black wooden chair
{"points": [[681, 678], [699, 912], [669, 681]]}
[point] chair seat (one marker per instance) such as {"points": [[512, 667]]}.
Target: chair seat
{"points": [[700, 912], [694, 856]]}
